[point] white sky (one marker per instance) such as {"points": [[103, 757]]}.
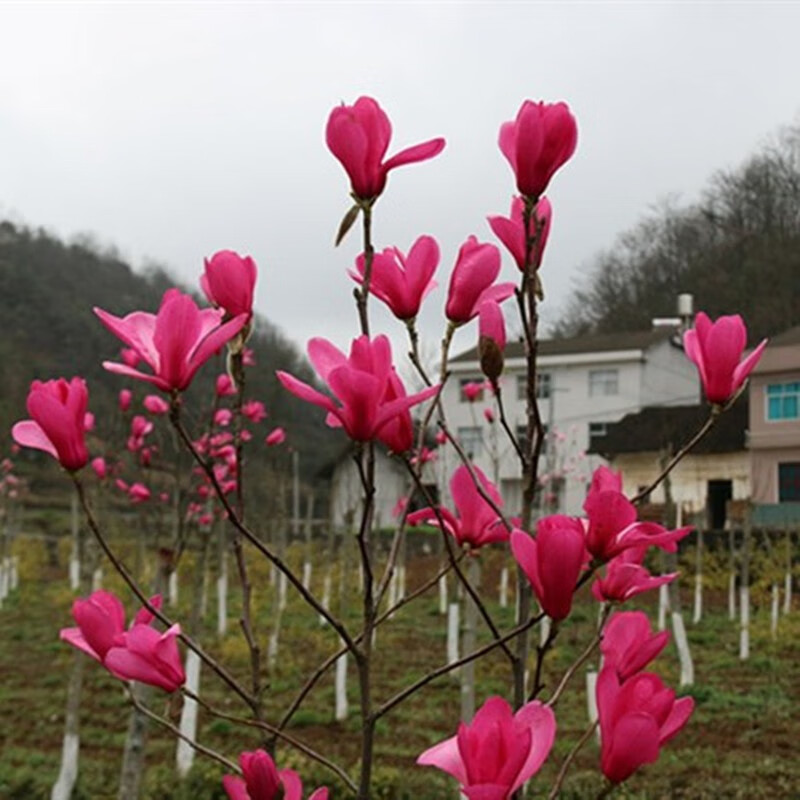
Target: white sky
{"points": [[175, 130]]}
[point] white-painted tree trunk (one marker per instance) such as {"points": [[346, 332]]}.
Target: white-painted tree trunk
{"points": [[74, 574], [222, 603], [684, 655], [97, 579], [282, 584], [340, 711], [4, 582], [544, 630], [391, 594], [306, 575], [697, 614], [15, 575], [443, 595], [504, 587], [401, 582], [68, 775], [173, 588], [272, 647], [663, 606], [773, 621], [744, 636], [452, 632], [591, 695], [326, 596], [184, 755], [732, 596], [787, 592]]}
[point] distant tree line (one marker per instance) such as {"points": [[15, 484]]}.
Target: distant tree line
{"points": [[737, 250]]}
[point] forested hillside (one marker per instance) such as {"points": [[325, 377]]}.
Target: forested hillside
{"points": [[49, 289], [737, 250]]}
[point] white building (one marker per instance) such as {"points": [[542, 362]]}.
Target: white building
{"points": [[585, 383]]}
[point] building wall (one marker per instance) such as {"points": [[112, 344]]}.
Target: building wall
{"points": [[764, 465], [392, 483], [662, 375], [689, 479], [764, 433]]}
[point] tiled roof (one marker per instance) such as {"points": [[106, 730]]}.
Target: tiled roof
{"points": [[669, 427], [590, 343]]}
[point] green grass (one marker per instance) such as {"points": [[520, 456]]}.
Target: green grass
{"points": [[741, 742]]}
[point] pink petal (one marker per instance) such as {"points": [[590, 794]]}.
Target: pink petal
{"points": [[542, 724], [305, 392], [447, 757], [325, 356], [235, 787], [28, 433], [412, 155]]}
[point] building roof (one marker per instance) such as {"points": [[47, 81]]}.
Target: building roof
{"points": [[787, 338], [589, 343], [658, 427]]}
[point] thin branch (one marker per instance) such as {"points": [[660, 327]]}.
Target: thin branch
{"points": [[443, 670], [258, 723], [250, 536], [541, 652], [145, 601], [332, 659], [165, 723], [562, 773], [504, 422], [454, 563], [581, 659], [680, 455]]}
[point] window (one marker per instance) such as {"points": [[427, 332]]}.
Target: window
{"points": [[471, 440], [543, 386], [603, 382], [597, 430], [467, 397], [789, 482], [783, 401], [521, 433]]}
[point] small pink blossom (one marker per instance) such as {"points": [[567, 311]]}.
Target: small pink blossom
{"points": [[275, 436], [254, 411], [229, 283], [224, 386], [263, 781], [125, 398], [511, 230], [359, 135], [629, 643], [716, 348], [155, 404]]}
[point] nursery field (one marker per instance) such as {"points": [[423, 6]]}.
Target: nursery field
{"points": [[741, 742]]}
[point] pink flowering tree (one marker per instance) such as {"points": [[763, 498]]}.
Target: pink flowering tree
{"points": [[360, 392]]}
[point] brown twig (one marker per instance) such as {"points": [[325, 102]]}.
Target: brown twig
{"points": [[562, 773]]}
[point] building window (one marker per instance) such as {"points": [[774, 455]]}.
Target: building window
{"points": [[470, 398], [603, 382], [597, 430], [789, 482], [471, 440], [543, 386], [783, 401]]}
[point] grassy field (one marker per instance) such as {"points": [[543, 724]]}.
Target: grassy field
{"points": [[741, 742]]}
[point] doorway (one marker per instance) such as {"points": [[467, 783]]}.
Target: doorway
{"points": [[719, 492]]}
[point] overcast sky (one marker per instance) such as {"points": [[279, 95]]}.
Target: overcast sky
{"points": [[175, 130]]}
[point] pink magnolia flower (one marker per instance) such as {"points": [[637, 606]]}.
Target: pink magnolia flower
{"points": [[476, 269], [229, 282], [263, 781], [402, 282], [58, 411], [539, 141], [716, 349], [605, 479], [488, 415], [473, 390], [224, 386], [552, 561], [491, 339], [424, 456], [254, 411], [138, 493], [629, 643], [88, 422], [130, 356], [174, 343], [613, 527], [223, 417], [511, 230], [139, 654], [637, 718], [275, 436], [125, 398], [626, 577], [498, 751], [477, 522], [155, 404], [362, 384], [100, 467], [441, 438], [359, 135], [248, 357], [399, 508]]}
